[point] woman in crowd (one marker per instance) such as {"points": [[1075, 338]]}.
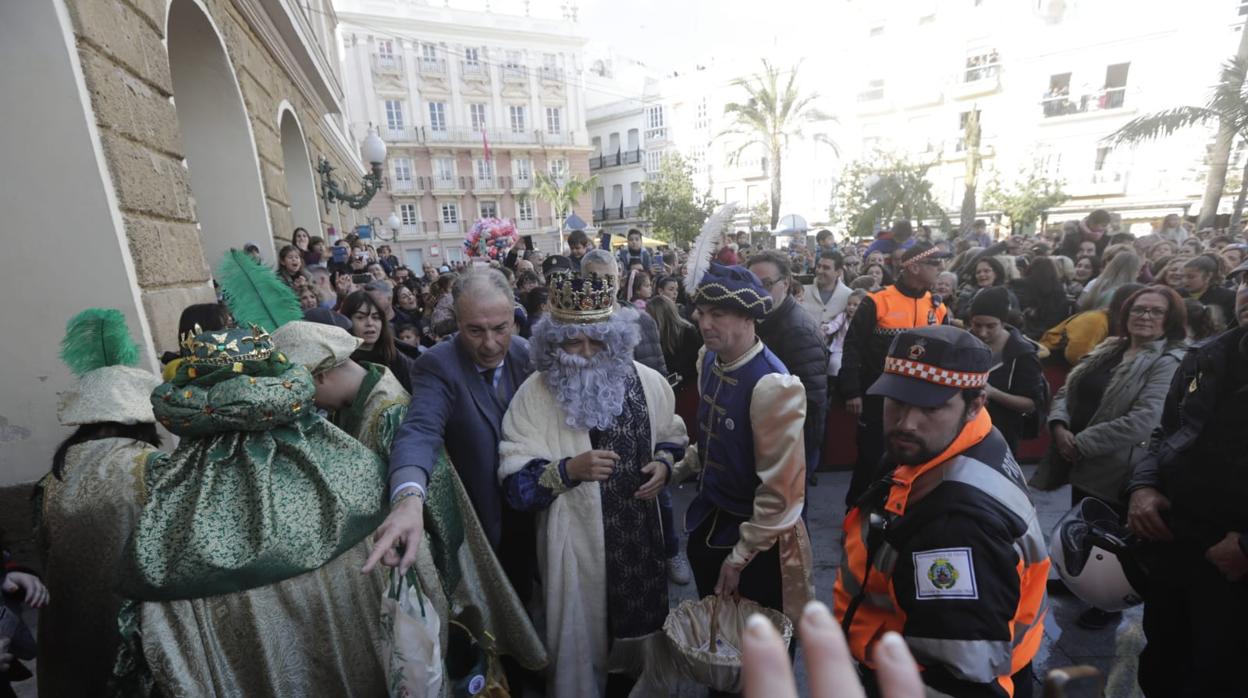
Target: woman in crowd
{"points": [[1159, 249], [1202, 280], [986, 273], [290, 266], [1080, 333], [1087, 268], [301, 240], [406, 305], [368, 322], [1102, 418], [1042, 296], [1016, 387], [879, 274], [678, 338], [1065, 272], [1191, 247], [1168, 271], [1123, 268]]}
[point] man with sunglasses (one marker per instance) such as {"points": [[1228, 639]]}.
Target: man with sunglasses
{"points": [[880, 318], [945, 548]]}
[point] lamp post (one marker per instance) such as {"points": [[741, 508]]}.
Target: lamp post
{"points": [[393, 223], [374, 151]]}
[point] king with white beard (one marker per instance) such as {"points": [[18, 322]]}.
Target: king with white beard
{"points": [[588, 442]]}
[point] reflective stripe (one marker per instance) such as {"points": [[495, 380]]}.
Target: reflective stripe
{"points": [[979, 661], [995, 484]]}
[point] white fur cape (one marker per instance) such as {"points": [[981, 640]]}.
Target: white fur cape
{"points": [[570, 548]]}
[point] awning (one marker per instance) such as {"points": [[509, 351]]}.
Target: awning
{"points": [[618, 241]]}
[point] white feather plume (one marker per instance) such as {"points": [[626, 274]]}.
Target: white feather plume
{"points": [[705, 246]]}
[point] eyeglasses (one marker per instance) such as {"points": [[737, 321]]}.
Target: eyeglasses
{"points": [[768, 283], [1155, 313]]}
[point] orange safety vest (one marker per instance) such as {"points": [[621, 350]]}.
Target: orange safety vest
{"points": [[875, 609], [895, 311]]}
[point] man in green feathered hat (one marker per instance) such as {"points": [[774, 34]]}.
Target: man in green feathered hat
{"points": [[87, 505]]}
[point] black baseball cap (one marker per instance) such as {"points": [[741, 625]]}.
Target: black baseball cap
{"points": [[927, 366], [555, 264]]}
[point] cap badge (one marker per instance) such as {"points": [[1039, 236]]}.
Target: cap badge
{"points": [[918, 349]]}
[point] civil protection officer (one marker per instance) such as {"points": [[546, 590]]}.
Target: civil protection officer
{"points": [[945, 548], [880, 318]]}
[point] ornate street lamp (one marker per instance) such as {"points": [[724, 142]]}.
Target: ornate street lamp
{"points": [[374, 151], [393, 223]]}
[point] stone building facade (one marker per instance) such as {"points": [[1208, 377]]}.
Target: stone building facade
{"points": [[152, 135], [474, 105]]}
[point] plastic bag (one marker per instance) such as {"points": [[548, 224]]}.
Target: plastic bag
{"points": [[410, 630]]}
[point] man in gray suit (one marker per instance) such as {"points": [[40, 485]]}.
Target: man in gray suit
{"points": [[460, 391]]}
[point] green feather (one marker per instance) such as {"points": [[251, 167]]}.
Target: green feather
{"points": [[95, 338], [254, 293]]}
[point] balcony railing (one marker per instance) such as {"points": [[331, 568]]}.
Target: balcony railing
{"points": [[470, 137], [445, 227], [615, 213], [444, 183], [473, 69], [987, 71], [529, 224], [432, 66], [387, 63], [1100, 100], [399, 133], [521, 182], [617, 159], [552, 73], [401, 185], [517, 73]]}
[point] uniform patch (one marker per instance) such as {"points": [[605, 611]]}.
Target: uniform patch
{"points": [[948, 573]]}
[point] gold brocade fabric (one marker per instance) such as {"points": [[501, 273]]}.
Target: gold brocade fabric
{"points": [[317, 634], [84, 523]]}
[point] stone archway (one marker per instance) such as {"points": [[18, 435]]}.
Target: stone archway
{"points": [[300, 182], [216, 136]]}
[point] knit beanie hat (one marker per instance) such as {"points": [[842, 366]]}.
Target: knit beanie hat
{"points": [[993, 301]]}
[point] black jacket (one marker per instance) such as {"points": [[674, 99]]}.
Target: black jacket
{"points": [[1198, 457], [1019, 373], [794, 337]]}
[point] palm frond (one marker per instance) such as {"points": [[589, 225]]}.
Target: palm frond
{"points": [[1160, 124]]}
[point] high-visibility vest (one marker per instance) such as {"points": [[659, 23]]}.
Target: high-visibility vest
{"points": [[868, 557], [895, 311]]}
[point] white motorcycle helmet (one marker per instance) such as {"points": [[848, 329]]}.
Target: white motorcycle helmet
{"points": [[1091, 551]]}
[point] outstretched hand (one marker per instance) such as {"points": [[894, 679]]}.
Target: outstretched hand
{"points": [[36, 594], [403, 527], [767, 673]]}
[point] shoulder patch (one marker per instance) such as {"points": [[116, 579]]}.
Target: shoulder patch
{"points": [[947, 573]]}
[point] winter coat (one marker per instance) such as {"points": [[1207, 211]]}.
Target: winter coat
{"points": [[649, 351], [796, 339], [1019, 373], [1116, 437]]}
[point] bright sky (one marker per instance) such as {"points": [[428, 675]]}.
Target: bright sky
{"points": [[669, 34]]}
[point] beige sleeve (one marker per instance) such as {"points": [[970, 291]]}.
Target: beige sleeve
{"points": [[777, 415]]}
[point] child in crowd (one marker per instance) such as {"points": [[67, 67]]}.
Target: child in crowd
{"points": [[640, 289], [838, 327]]}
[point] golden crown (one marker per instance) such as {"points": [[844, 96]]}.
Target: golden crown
{"points": [[226, 347], [581, 298]]}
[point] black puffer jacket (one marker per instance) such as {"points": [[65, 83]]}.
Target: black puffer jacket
{"points": [[794, 337]]}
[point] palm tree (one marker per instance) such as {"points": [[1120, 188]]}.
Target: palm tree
{"points": [[562, 193], [902, 192], [1227, 107], [775, 113]]}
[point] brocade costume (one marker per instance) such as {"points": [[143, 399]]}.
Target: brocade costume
{"points": [[86, 512], [247, 556]]}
